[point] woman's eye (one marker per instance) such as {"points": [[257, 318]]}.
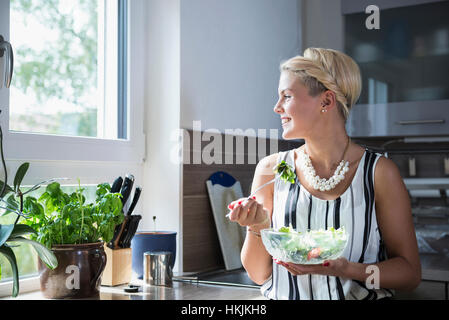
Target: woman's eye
{"points": [[286, 97]]}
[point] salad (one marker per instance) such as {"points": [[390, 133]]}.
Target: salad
{"points": [[285, 171], [311, 247]]}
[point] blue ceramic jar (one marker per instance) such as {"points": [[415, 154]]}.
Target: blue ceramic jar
{"points": [[145, 241]]}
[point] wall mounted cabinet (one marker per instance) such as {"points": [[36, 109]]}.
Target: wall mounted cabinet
{"points": [[404, 63]]}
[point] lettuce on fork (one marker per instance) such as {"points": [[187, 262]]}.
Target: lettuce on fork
{"points": [[285, 171]]}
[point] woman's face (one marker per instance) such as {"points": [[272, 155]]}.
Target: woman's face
{"points": [[299, 112]]}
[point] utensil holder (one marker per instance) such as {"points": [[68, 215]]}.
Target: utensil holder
{"points": [[118, 267]]}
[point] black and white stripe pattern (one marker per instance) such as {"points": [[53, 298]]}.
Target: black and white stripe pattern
{"points": [[354, 209]]}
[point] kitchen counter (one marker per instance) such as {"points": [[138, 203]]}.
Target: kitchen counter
{"points": [[435, 267], [179, 291]]}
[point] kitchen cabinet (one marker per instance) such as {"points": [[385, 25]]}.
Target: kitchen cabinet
{"points": [[404, 66]]}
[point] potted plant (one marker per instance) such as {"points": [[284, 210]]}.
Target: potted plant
{"points": [[12, 234], [76, 232]]}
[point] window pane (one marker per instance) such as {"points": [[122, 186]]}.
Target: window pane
{"points": [[65, 74], [25, 254]]}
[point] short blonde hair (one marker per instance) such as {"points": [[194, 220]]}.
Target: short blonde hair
{"points": [[327, 69]]}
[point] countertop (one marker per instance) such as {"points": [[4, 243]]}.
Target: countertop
{"points": [[179, 291], [434, 267]]}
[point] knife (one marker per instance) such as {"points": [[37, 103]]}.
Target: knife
{"points": [[133, 230], [116, 186], [127, 223], [130, 231], [136, 197], [122, 230], [125, 191], [127, 188]]}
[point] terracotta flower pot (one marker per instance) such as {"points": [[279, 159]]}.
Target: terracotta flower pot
{"points": [[78, 275]]}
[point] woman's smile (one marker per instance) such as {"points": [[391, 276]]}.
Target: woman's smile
{"points": [[285, 120]]}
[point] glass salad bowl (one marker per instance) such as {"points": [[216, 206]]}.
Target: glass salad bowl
{"points": [[311, 247]]}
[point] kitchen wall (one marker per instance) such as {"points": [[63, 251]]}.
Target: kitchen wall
{"points": [[211, 66], [230, 56], [323, 24], [162, 117]]}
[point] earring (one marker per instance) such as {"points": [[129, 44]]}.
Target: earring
{"points": [[323, 110]]}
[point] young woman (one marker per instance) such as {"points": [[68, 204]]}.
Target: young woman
{"points": [[369, 198]]}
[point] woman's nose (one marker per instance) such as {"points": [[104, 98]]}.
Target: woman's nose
{"points": [[278, 107]]}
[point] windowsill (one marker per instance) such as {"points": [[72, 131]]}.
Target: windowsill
{"points": [[27, 285]]}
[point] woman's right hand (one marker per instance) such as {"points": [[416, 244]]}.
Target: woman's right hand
{"points": [[250, 213]]}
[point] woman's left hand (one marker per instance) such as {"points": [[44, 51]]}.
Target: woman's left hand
{"points": [[335, 267]]}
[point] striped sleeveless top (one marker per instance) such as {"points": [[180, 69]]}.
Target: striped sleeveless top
{"points": [[354, 209]]}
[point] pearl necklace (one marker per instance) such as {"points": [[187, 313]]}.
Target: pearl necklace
{"points": [[322, 184]]}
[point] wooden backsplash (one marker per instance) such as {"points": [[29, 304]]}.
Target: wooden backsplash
{"points": [[201, 248]]}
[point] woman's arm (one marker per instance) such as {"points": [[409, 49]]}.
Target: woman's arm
{"points": [[255, 259], [402, 269]]}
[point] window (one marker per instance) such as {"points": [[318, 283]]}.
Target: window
{"points": [[87, 126], [67, 72], [72, 95]]}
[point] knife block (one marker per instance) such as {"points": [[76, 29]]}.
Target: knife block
{"points": [[118, 267]]}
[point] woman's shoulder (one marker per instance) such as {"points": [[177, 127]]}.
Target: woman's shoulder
{"points": [[273, 159], [386, 173], [267, 163]]}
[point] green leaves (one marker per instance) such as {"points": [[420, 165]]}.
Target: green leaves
{"points": [[285, 171], [8, 189], [9, 254], [21, 230], [14, 233], [44, 254], [61, 218], [5, 232], [19, 175]]}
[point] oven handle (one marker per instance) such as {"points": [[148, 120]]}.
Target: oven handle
{"points": [[412, 122]]}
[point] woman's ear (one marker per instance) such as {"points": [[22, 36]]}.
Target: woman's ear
{"points": [[328, 100]]}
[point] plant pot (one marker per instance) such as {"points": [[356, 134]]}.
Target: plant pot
{"points": [[78, 275], [151, 241]]}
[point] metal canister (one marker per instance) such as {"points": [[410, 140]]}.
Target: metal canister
{"points": [[156, 268]]}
